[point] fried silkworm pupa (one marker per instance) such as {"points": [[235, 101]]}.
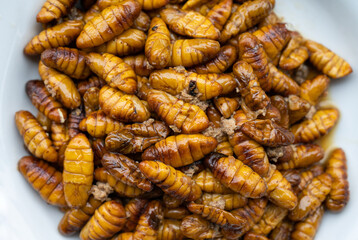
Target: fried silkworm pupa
{"points": [[181, 150], [44, 121], [327, 61], [60, 86], [292, 176], [126, 170], [91, 100], [189, 23], [99, 149], [150, 128], [149, 5], [187, 117], [176, 213], [133, 210], [98, 124], [272, 216], [44, 102], [225, 148], [157, 46], [114, 71], [220, 13], [124, 190], [208, 183], [271, 19], [73, 122], [191, 52], [246, 16], [312, 90], [149, 221], [122, 107], [171, 181], [192, 4], [283, 84], [297, 108], [282, 231], [77, 180], [74, 219], [111, 22], [273, 38], [46, 180], [169, 229], [219, 64], [59, 134], [295, 53], [139, 64], [171, 202], [223, 201], [308, 175], [252, 52], [337, 168], [35, 137], [226, 106], [267, 133], [307, 228], [142, 22], [302, 155], [251, 213], [57, 36], [254, 236], [320, 124], [107, 220], [124, 236], [129, 42], [93, 81], [54, 9], [311, 197], [203, 86], [70, 61], [196, 227], [235, 175], [281, 105]]}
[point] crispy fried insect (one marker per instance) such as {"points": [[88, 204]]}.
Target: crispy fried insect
{"points": [[171, 202], [279, 190], [204, 86], [181, 150], [122, 107], [327, 61], [124, 236], [254, 236], [283, 84], [282, 106], [126, 170], [292, 176], [189, 23], [93, 81], [187, 117], [297, 108], [133, 210], [73, 122], [171, 181], [78, 171], [176, 213], [252, 213], [107, 220], [312, 90], [157, 46], [271, 19], [99, 149], [191, 52], [253, 95], [102, 175], [149, 221], [46, 180], [223, 201], [150, 128], [97, 124], [70, 61], [44, 121], [337, 168], [246, 16], [74, 219], [114, 71], [35, 137], [192, 4], [54, 9], [307, 228], [139, 64], [302, 155], [311, 197], [267, 133], [226, 106], [273, 38], [90, 100], [196, 227], [307, 176], [225, 148], [220, 13], [126, 142], [59, 134], [320, 124], [208, 183], [142, 22], [282, 231], [58, 36], [295, 54], [272, 216], [152, 4], [44, 102], [219, 64], [235, 175], [169, 229], [217, 215], [111, 22]]}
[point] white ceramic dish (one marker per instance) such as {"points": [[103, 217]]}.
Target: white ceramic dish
{"points": [[23, 215]]}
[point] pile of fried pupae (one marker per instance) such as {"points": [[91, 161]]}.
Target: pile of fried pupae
{"points": [[180, 119]]}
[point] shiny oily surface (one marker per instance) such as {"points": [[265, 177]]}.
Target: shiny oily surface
{"points": [[335, 28]]}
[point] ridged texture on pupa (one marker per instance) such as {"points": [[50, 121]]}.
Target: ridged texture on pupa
{"points": [[312, 90], [307, 228], [54, 9], [139, 64], [196, 227], [220, 13], [133, 211], [169, 229], [208, 183], [295, 53]]}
